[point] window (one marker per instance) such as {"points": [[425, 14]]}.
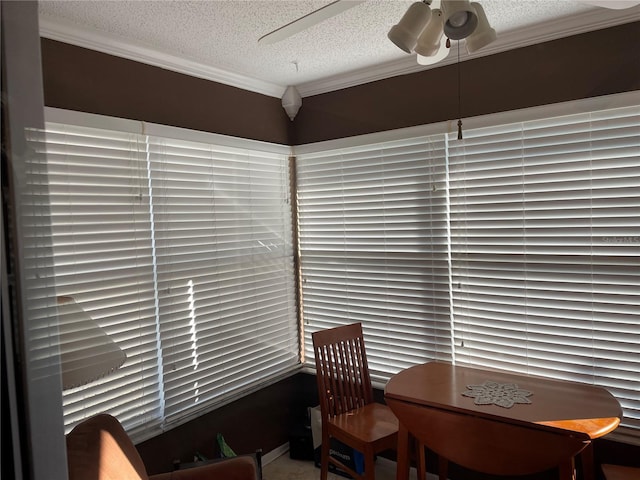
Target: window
{"points": [[530, 251], [545, 249], [180, 249], [517, 247], [103, 259], [224, 269], [364, 214]]}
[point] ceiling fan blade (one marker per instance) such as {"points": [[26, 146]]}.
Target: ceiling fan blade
{"points": [[613, 4], [308, 20]]}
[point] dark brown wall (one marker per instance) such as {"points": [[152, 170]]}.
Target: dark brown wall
{"points": [[587, 65], [88, 81], [262, 420]]}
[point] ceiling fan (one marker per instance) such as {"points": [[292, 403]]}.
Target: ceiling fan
{"points": [[424, 24], [420, 30], [457, 19], [298, 25]]}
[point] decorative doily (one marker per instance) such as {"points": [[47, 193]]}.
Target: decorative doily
{"points": [[502, 394]]}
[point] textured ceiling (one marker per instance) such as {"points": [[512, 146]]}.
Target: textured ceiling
{"points": [[219, 37]]}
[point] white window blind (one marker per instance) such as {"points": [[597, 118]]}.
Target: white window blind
{"points": [[102, 258], [181, 253], [543, 235], [373, 246], [545, 249], [223, 239]]}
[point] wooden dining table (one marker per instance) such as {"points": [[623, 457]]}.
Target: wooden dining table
{"points": [[497, 422]]}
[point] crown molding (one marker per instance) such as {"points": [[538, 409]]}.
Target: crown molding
{"points": [[562, 27], [81, 37]]}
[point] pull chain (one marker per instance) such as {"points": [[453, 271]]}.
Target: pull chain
{"points": [[459, 98]]}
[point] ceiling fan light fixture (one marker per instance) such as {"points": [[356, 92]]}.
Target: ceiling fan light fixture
{"points": [[483, 35], [406, 32], [460, 19], [431, 37]]}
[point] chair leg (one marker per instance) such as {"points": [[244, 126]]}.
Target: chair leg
{"points": [[324, 459], [369, 465]]}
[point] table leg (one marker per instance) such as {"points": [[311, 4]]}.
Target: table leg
{"points": [[588, 463], [443, 468], [567, 470], [402, 472], [421, 461]]}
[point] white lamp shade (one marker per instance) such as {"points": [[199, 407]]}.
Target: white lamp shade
{"points": [[460, 19], [483, 34], [430, 39], [87, 353], [441, 54], [291, 101], [405, 33]]}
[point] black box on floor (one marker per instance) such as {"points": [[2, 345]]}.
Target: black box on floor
{"points": [[301, 443], [347, 455]]}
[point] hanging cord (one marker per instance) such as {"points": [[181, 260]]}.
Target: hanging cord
{"points": [[459, 98]]}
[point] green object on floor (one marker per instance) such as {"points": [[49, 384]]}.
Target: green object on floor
{"points": [[225, 450]]}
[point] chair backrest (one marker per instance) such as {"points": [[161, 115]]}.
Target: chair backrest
{"points": [[100, 449], [342, 372]]}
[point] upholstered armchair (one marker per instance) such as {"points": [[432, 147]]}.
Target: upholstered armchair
{"points": [[100, 449]]}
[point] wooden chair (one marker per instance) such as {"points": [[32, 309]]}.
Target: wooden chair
{"points": [[348, 411]]}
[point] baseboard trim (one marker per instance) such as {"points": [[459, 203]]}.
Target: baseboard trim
{"points": [[267, 458]]}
